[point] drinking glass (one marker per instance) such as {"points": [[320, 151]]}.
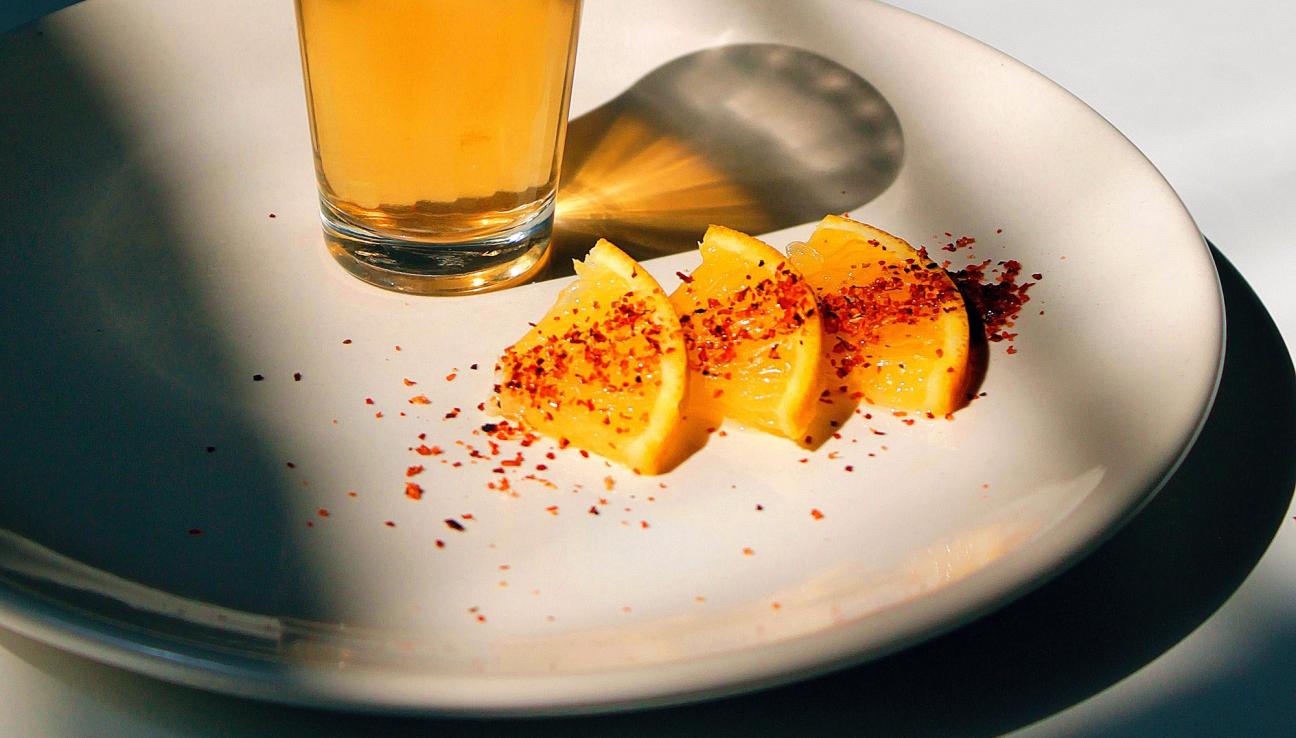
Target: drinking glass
{"points": [[437, 128]]}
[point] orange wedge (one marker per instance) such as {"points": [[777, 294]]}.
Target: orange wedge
{"points": [[895, 325], [752, 332], [605, 369]]}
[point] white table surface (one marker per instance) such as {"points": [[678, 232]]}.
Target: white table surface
{"points": [[1158, 632]]}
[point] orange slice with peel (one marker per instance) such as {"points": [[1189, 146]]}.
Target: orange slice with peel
{"points": [[605, 369], [752, 333], [895, 324]]}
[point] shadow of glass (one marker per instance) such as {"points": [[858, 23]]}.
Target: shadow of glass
{"points": [[121, 449], [1140, 593], [757, 137]]}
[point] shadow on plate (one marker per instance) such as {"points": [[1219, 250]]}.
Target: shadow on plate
{"points": [[758, 137], [122, 450], [1139, 594]]}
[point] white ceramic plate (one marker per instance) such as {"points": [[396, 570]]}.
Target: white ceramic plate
{"points": [[150, 284]]}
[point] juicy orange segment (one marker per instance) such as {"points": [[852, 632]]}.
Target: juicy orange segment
{"points": [[895, 325], [605, 369], [752, 332]]}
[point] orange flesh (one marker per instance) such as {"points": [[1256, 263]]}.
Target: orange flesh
{"points": [[895, 325], [751, 331]]}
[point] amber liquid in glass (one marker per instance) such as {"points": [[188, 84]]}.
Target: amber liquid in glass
{"points": [[437, 121]]}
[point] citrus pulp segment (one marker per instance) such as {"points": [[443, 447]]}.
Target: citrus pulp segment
{"points": [[752, 333], [895, 324], [605, 368]]}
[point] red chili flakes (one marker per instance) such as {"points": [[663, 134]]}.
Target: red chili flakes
{"points": [[323, 512], [686, 279], [453, 524], [748, 551], [816, 514], [408, 382], [473, 367], [414, 470], [378, 414], [420, 400], [413, 491], [451, 376], [609, 483], [584, 453], [352, 493], [440, 543], [593, 510], [369, 401], [850, 468], [553, 510], [996, 298], [714, 331], [398, 348], [424, 450], [454, 413], [856, 316], [346, 342], [390, 523], [297, 376]]}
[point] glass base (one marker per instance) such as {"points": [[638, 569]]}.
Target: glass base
{"points": [[420, 268]]}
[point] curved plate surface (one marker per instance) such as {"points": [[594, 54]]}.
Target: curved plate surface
{"points": [[167, 513]]}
